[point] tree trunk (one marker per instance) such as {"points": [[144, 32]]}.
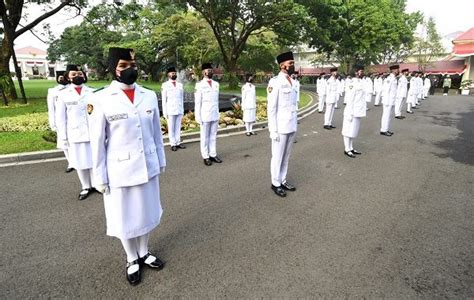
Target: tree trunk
{"points": [[19, 76], [231, 69], [6, 83]]}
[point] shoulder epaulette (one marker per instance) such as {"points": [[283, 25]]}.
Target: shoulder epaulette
{"points": [[62, 88], [147, 88], [100, 89]]}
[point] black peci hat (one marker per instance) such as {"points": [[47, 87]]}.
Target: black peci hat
{"points": [[333, 69], [206, 66], [394, 67], [285, 56], [116, 54], [359, 67], [171, 69], [405, 70], [73, 67]]}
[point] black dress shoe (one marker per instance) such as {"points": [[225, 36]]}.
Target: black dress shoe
{"points": [[320, 112], [84, 194], [248, 134], [399, 117], [327, 127], [350, 154], [414, 107], [69, 170], [332, 127], [279, 191], [409, 112], [253, 133], [174, 148], [356, 152], [391, 132], [136, 277], [181, 146], [386, 133], [286, 186], [156, 264], [216, 159], [207, 162]]}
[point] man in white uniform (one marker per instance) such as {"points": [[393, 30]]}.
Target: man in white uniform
{"points": [[426, 86], [249, 104], [411, 97], [206, 111], [128, 156], [332, 94], [388, 101], [321, 90], [52, 99], [172, 94], [369, 87], [340, 87], [419, 84], [402, 90], [378, 82], [356, 108], [348, 90], [73, 128], [282, 122]]}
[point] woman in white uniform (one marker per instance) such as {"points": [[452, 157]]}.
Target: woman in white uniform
{"points": [[355, 109], [72, 126], [128, 156], [249, 104]]}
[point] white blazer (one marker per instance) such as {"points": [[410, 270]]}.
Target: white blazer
{"points": [[390, 90], [126, 140], [51, 100], [281, 104], [172, 98], [402, 88], [356, 105], [206, 101], [249, 96]]}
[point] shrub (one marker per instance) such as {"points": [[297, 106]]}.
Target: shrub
{"points": [[24, 123]]}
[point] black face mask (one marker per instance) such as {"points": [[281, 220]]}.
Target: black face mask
{"points": [[78, 80], [174, 77], [210, 74], [290, 70], [63, 82], [128, 76]]}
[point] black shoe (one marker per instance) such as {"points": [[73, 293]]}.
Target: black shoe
{"points": [[320, 112], [414, 107], [157, 264], [181, 146], [216, 159], [350, 154], [279, 191], [174, 148], [391, 132], [253, 133], [134, 278], [327, 127], [84, 194], [93, 190], [332, 127], [356, 152], [69, 170], [385, 133], [409, 112], [376, 104], [248, 134], [286, 186], [399, 117], [207, 162]]}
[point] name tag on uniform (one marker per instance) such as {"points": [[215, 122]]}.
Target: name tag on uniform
{"points": [[117, 117], [72, 103]]}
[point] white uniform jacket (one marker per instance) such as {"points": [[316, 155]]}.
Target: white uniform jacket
{"points": [[369, 87], [71, 115], [357, 105], [172, 98], [427, 84], [206, 101], [378, 82], [281, 105], [332, 90], [419, 85], [126, 140], [321, 86], [402, 88], [390, 90], [51, 101], [249, 98]]}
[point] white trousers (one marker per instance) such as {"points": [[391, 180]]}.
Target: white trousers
{"points": [[322, 100], [281, 151], [348, 143], [398, 106], [328, 114], [174, 129], [66, 154], [409, 106], [386, 118], [426, 92], [85, 177], [136, 247], [377, 98], [208, 139], [248, 126]]}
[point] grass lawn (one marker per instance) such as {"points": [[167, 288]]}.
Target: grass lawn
{"points": [[36, 91]]}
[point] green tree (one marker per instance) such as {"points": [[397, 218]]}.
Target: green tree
{"points": [[428, 45]]}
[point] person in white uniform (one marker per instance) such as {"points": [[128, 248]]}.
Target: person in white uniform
{"points": [[282, 122], [356, 108], [73, 128], [52, 99], [402, 90], [332, 94], [249, 104], [348, 90], [419, 84], [128, 157], [388, 101], [426, 86], [411, 97], [378, 83], [321, 91], [206, 111], [172, 97], [369, 87], [340, 87]]}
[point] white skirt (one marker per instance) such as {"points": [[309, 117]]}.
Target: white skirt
{"points": [[80, 155], [133, 211], [249, 115], [351, 129]]}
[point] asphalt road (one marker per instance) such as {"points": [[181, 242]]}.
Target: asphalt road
{"points": [[396, 222]]}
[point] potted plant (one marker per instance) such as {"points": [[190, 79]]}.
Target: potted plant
{"points": [[465, 84]]}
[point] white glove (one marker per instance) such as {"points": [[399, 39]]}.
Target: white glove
{"points": [[54, 129], [102, 188], [349, 118], [275, 136], [162, 169]]}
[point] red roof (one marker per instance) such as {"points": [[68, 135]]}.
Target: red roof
{"points": [[30, 51], [464, 43], [466, 36]]}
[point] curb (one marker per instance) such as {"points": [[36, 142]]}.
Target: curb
{"points": [[18, 158]]}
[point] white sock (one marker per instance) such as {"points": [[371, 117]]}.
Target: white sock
{"points": [[142, 243], [85, 178], [131, 248], [250, 127], [247, 127], [350, 143], [347, 143]]}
